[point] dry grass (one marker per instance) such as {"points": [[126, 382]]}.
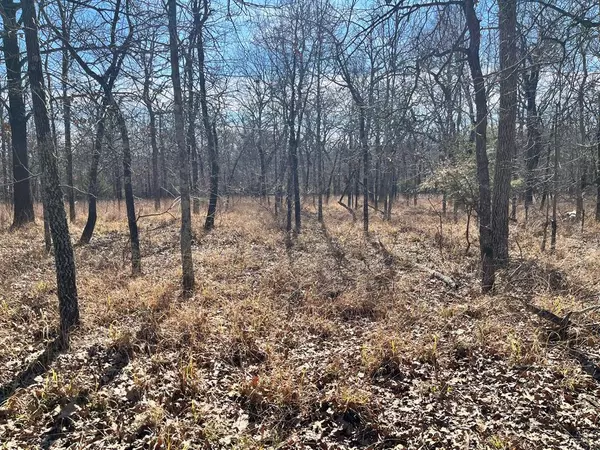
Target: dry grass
{"points": [[335, 340]]}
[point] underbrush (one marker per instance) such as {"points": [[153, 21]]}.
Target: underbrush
{"points": [[334, 340]]}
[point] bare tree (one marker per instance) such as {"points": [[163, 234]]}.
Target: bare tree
{"points": [[52, 194], [187, 263], [106, 81], [201, 13], [22, 198], [481, 123], [149, 98], [507, 21], [66, 17]]}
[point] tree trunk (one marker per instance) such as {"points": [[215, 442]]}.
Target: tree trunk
{"points": [[534, 138], [90, 224], [364, 143], [134, 240], [319, 143], [47, 234], [187, 262], [295, 182], [51, 104], [598, 167], [5, 158], [281, 170], [52, 195], [163, 157], [192, 112], [66, 103], [483, 175], [195, 180], [209, 224], [261, 157], [293, 191], [209, 128], [555, 183], [507, 18], [580, 177], [22, 198], [390, 193], [68, 147], [263, 168], [294, 134], [193, 150], [546, 178], [155, 177], [289, 194]]}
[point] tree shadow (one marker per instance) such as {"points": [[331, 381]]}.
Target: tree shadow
{"points": [[587, 364], [114, 360], [530, 277], [37, 367], [335, 248]]}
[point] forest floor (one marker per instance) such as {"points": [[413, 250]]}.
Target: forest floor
{"points": [[325, 340]]}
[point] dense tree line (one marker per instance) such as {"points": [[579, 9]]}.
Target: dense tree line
{"points": [[493, 105]]}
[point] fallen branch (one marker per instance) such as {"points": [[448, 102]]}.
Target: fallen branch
{"points": [[350, 210], [166, 211], [439, 275], [376, 209], [78, 190]]}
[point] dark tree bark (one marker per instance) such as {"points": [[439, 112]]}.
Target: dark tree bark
{"points": [[147, 98], [162, 156], [192, 113], [293, 179], [22, 197], [545, 189], [293, 127], [47, 233], [194, 154], [134, 240], [319, 139], [534, 137], [364, 143], [155, 178], [5, 159], [598, 167], [66, 104], [52, 195], [90, 224], [209, 125], [187, 263], [507, 18], [262, 181], [483, 175], [555, 180], [580, 177], [68, 148], [281, 167], [117, 176]]}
